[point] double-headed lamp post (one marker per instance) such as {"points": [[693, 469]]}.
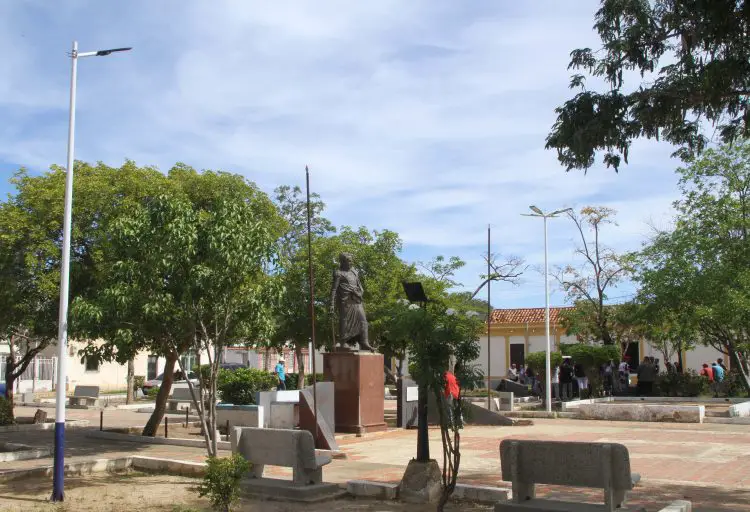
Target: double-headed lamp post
{"points": [[537, 212], [62, 332]]}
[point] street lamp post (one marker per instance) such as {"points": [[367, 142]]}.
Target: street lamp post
{"points": [[537, 212], [62, 332]]}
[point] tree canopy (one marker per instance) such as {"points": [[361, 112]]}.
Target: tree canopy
{"points": [[673, 70], [699, 272]]}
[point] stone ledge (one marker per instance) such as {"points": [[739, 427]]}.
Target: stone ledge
{"points": [[174, 467], [678, 506], [283, 490], [10, 452], [480, 494], [370, 489], [73, 468], [176, 441], [741, 410], [30, 427]]}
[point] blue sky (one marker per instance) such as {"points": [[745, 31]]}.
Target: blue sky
{"points": [[425, 117]]}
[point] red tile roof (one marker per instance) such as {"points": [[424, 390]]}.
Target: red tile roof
{"points": [[525, 315]]}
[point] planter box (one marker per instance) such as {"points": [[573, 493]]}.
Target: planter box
{"points": [[239, 415]]}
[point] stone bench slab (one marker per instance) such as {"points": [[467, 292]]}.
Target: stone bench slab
{"points": [[549, 506], [285, 490]]}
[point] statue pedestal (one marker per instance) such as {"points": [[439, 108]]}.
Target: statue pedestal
{"points": [[358, 382]]}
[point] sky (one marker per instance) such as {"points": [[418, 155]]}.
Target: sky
{"points": [[425, 117]]}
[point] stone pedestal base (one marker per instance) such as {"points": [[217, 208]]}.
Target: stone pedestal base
{"points": [[358, 390], [421, 482]]}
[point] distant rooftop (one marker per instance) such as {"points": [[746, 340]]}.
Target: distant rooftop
{"points": [[525, 315]]}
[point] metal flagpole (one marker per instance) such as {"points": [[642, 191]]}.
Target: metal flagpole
{"points": [[489, 313], [312, 302]]}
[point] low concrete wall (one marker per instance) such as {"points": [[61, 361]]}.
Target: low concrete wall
{"points": [[174, 441], [239, 416], [28, 427], [642, 412], [741, 410]]}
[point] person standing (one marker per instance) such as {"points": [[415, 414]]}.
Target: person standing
{"points": [[451, 392], [624, 376], [581, 379], [555, 380], [280, 372], [646, 377], [566, 380], [512, 373], [718, 378]]}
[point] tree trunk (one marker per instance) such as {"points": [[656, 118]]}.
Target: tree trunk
{"points": [[9, 381], [737, 363], [129, 397], [161, 397], [300, 365]]}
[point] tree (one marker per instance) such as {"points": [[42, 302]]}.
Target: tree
{"points": [[293, 321], [31, 247], [700, 271], [694, 65], [586, 286], [439, 334]]}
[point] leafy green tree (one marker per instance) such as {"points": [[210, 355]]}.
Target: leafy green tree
{"points": [[693, 64], [293, 321], [587, 285], [31, 247], [700, 271], [439, 334]]}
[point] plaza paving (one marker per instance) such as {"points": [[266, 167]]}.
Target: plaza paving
{"points": [[708, 464]]}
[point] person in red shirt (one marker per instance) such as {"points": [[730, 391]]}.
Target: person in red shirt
{"points": [[451, 392], [707, 371]]}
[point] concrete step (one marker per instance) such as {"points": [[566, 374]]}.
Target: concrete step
{"points": [[715, 412]]}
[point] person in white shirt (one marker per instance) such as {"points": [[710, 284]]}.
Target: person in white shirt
{"points": [[555, 382], [512, 373]]}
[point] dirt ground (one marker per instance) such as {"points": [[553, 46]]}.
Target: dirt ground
{"points": [[135, 491]]}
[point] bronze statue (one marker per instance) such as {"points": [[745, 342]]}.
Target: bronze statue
{"points": [[346, 297]]}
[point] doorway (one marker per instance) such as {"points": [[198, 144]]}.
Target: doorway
{"points": [[517, 354]]}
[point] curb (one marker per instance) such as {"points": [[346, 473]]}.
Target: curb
{"points": [[31, 427], [196, 443]]}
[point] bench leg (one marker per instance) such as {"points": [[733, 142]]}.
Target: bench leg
{"points": [[523, 491], [256, 471], [304, 476]]}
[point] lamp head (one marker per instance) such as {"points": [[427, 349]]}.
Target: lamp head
{"points": [[536, 210]]}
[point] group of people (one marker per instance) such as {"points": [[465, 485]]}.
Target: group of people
{"points": [[716, 374]]}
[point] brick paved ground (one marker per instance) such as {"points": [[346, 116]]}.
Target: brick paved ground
{"points": [[708, 464]]}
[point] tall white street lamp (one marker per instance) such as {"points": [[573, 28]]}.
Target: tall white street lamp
{"points": [[537, 212], [62, 332]]}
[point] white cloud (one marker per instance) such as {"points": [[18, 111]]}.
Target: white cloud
{"points": [[428, 118]]}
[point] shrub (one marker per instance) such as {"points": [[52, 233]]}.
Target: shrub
{"points": [[153, 392], [239, 386], [138, 382], [292, 379], [537, 361], [6, 412], [592, 357], [688, 383], [222, 480]]}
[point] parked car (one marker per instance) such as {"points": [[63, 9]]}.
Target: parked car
{"points": [[149, 384]]}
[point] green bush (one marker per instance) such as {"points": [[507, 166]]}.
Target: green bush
{"points": [[222, 480], [688, 383], [292, 379], [734, 384], [6, 412], [153, 392], [239, 386], [537, 361], [592, 357], [138, 382]]}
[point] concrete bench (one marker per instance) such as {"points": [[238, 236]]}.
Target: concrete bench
{"points": [[278, 447], [85, 396], [598, 465], [182, 398]]}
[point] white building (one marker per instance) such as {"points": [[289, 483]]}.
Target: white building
{"points": [[41, 375], [514, 333]]}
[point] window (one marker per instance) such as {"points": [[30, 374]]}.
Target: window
{"points": [[153, 362], [92, 364], [188, 361]]}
